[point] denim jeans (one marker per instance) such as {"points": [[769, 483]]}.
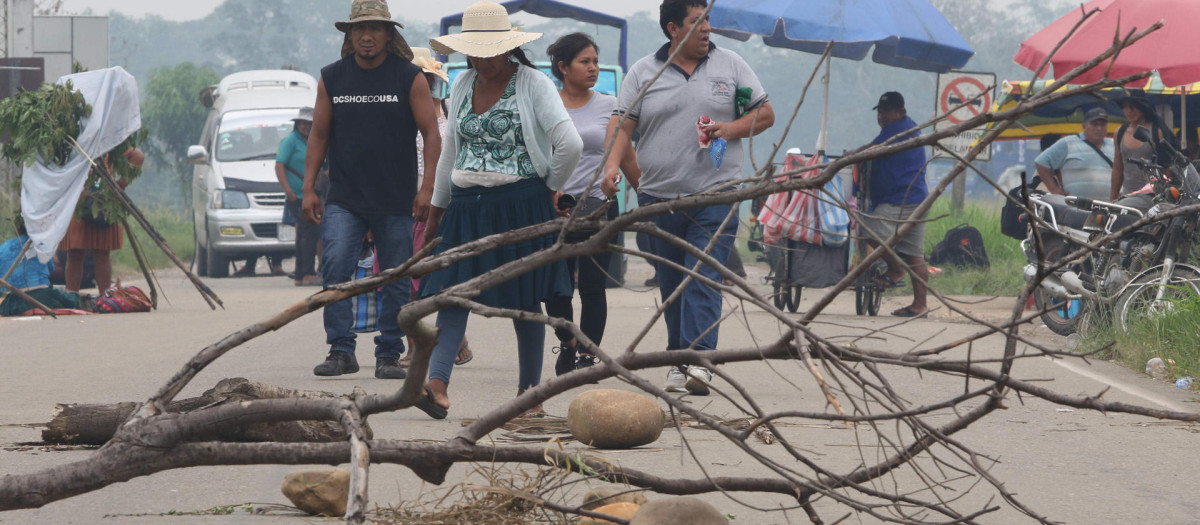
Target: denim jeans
{"points": [[452, 326], [343, 236], [692, 319], [307, 235]]}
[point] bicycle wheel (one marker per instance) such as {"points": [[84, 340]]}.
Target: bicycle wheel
{"points": [[1147, 297], [780, 297], [873, 296], [793, 302]]}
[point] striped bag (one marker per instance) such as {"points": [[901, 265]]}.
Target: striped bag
{"points": [[835, 222], [366, 306]]}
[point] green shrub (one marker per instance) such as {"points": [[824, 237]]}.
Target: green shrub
{"points": [[1173, 336]]}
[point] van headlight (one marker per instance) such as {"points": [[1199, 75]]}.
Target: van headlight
{"points": [[231, 200]]}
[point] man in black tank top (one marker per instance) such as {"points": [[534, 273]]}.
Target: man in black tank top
{"points": [[370, 106]]}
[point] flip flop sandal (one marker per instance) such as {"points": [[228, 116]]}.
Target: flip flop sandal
{"points": [[907, 311], [464, 355], [887, 283], [426, 405]]}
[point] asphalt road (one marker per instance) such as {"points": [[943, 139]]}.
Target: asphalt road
{"points": [[1069, 465]]}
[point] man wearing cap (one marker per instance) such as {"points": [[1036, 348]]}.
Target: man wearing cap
{"points": [[1084, 160], [896, 186], [370, 106], [289, 169], [703, 83]]}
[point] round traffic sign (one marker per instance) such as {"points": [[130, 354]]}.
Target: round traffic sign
{"points": [[964, 90]]}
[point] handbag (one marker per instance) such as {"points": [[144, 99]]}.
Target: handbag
{"points": [[123, 299], [1010, 215], [289, 217], [366, 306]]}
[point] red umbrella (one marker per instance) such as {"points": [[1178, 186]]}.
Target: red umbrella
{"points": [[1173, 50]]}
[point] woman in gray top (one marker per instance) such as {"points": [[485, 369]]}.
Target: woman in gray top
{"points": [[1128, 177], [575, 63]]}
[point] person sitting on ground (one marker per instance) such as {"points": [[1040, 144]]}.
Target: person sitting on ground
{"points": [[32, 277], [1084, 160]]}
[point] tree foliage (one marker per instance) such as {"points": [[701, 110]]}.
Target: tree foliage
{"points": [[173, 110]]}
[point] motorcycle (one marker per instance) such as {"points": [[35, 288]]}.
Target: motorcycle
{"points": [[1088, 283], [1168, 279]]}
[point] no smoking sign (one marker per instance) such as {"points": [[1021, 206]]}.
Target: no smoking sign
{"points": [[962, 96]]}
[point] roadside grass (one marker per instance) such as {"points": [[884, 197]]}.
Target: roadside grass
{"points": [[1173, 337], [1003, 278], [176, 228]]}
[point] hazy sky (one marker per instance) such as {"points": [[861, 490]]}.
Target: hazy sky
{"points": [[409, 9]]}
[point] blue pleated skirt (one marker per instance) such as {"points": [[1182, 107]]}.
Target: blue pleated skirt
{"points": [[477, 212]]}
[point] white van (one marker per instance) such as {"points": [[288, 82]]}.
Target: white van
{"points": [[237, 201]]}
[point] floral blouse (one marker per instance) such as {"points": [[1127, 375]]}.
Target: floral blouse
{"points": [[493, 142]]}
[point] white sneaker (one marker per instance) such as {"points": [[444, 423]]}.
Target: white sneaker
{"points": [[698, 380], [676, 381]]}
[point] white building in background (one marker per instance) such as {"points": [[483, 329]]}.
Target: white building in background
{"points": [[58, 40]]}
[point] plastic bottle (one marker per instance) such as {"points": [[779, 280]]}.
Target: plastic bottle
{"points": [[1157, 369], [1184, 383], [1073, 342]]}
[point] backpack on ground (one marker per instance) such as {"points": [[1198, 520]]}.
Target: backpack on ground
{"points": [[962, 246]]}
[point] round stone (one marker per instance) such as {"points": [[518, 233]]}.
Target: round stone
{"points": [[615, 419], [678, 511], [623, 510]]}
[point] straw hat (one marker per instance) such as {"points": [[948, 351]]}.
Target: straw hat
{"points": [[423, 57], [486, 32], [367, 11], [373, 11]]}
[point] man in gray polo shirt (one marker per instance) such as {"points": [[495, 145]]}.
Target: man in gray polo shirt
{"points": [[702, 81]]}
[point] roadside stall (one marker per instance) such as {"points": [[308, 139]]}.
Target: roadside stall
{"points": [[909, 34]]}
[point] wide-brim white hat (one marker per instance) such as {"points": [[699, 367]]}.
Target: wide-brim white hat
{"points": [[423, 58], [486, 32]]}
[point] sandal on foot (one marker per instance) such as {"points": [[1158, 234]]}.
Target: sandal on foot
{"points": [[426, 405], [464, 355], [908, 311], [887, 282]]}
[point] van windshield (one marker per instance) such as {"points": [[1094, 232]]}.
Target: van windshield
{"points": [[252, 134]]}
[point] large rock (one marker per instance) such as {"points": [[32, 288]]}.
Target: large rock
{"points": [[601, 496], [678, 511], [614, 419], [322, 491], [624, 510]]}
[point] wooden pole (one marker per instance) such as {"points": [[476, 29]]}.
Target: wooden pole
{"points": [[137, 253], [205, 292]]}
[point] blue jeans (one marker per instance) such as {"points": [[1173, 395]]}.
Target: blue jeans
{"points": [[692, 319], [343, 236], [452, 323]]}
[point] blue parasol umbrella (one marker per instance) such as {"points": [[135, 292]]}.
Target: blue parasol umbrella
{"points": [[909, 34]]}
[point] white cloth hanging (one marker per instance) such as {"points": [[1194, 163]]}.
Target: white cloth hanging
{"points": [[49, 193]]}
